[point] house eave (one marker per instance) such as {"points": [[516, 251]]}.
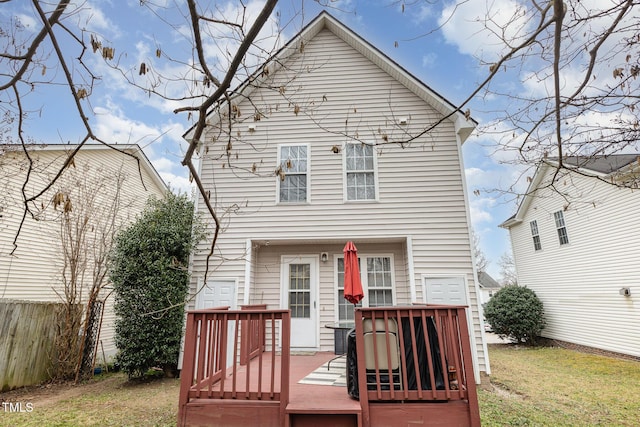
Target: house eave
{"points": [[131, 149]]}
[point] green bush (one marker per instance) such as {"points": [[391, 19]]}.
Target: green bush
{"points": [[151, 283], [515, 312]]}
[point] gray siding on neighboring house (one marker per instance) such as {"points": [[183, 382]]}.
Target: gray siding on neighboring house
{"points": [[33, 272], [421, 193], [579, 282]]}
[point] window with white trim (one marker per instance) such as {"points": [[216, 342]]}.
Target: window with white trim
{"points": [[537, 245], [377, 284], [293, 173], [561, 228], [360, 171]]}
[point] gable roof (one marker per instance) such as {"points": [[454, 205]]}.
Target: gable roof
{"points": [[602, 166], [464, 126], [486, 281], [133, 149]]}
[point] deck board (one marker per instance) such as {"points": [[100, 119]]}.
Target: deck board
{"points": [[310, 398], [303, 398]]}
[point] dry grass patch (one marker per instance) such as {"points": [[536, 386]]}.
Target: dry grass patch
{"points": [[109, 400], [530, 387], [558, 387]]}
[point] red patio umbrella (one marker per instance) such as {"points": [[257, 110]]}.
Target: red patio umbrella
{"points": [[352, 284]]}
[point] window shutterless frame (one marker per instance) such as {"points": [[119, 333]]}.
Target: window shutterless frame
{"points": [[537, 245], [360, 172], [293, 174], [561, 227]]}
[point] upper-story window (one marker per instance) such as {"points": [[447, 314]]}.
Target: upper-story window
{"points": [[360, 170], [293, 173], [536, 235], [561, 227]]}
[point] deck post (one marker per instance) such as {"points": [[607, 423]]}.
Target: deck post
{"points": [[286, 366], [472, 395], [362, 373], [187, 368]]}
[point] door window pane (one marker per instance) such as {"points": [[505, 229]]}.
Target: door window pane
{"points": [[300, 290]]}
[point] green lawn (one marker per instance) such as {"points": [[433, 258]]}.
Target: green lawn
{"points": [[530, 387]]}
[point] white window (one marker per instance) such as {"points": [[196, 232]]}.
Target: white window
{"points": [[360, 172], [293, 173], [537, 245], [377, 283], [561, 227]]}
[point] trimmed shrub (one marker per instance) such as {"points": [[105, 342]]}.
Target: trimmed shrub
{"points": [[151, 283], [515, 312]]}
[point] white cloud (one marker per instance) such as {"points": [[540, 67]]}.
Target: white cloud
{"points": [[479, 210], [178, 183], [89, 16], [429, 60], [112, 125], [28, 22], [479, 28]]}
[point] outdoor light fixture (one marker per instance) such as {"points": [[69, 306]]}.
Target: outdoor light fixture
{"points": [[625, 292], [403, 121], [252, 128], [324, 257]]}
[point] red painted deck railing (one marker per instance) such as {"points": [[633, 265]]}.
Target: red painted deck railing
{"points": [[211, 367], [414, 354]]}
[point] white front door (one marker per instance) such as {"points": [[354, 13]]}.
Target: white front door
{"points": [[445, 290], [299, 294]]}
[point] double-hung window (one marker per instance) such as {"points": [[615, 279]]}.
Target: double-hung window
{"points": [[377, 283], [537, 245], [360, 171], [561, 228], [293, 173]]}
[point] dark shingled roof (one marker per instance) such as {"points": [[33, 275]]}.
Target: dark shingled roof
{"points": [[602, 164], [486, 281]]}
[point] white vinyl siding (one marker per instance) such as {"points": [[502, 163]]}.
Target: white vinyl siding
{"points": [[579, 283], [535, 234], [33, 272], [293, 173], [360, 171], [332, 77]]}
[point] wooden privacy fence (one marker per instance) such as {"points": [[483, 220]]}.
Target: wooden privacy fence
{"points": [[27, 335]]}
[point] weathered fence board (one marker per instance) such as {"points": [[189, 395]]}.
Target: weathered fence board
{"points": [[27, 333]]}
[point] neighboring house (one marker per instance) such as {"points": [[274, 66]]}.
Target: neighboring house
{"points": [[299, 175], [488, 286], [576, 245], [97, 177]]}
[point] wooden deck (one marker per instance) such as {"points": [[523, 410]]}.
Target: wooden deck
{"points": [[265, 390]]}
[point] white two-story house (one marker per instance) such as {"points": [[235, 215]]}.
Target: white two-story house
{"points": [[575, 243], [327, 144]]}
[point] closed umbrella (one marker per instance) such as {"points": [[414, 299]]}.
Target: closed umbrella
{"points": [[352, 284]]}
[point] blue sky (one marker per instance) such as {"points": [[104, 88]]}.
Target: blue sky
{"points": [[439, 49]]}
